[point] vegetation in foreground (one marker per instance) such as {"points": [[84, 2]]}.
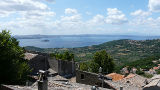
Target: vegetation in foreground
{"points": [[14, 69]]}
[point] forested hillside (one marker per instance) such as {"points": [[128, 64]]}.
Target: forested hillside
{"points": [[121, 50]]}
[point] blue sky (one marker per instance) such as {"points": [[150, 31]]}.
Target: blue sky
{"points": [[73, 17]]}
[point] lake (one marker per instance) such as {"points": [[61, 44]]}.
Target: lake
{"points": [[77, 40]]}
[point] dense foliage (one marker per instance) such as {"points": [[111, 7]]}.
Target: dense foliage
{"points": [[63, 56], [101, 59], [104, 60], [146, 63], [13, 68], [84, 66]]}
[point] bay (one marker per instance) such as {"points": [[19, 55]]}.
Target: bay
{"points": [[73, 41]]}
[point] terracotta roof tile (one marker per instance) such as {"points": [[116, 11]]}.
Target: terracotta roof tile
{"points": [[130, 76], [155, 68], [29, 56], [115, 76]]}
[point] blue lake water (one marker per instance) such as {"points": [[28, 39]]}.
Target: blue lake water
{"points": [[77, 41]]}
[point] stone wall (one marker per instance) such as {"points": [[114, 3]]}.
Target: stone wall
{"points": [[87, 78], [4, 87], [39, 53], [39, 62], [43, 62], [90, 79], [66, 67], [62, 67], [152, 88]]}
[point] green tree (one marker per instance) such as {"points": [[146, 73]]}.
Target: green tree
{"points": [[53, 55], [63, 56], [158, 71], [72, 56], [139, 72], [104, 60], [66, 56], [13, 68], [84, 66], [94, 67]]}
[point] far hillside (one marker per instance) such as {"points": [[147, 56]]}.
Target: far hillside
{"points": [[123, 51]]}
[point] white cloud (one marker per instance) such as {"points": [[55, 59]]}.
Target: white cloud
{"points": [[52, 1], [146, 23], [70, 11], [35, 17], [32, 16], [27, 26], [115, 16], [97, 20], [22, 5], [5, 13], [49, 1], [113, 11], [8, 7], [154, 5], [140, 13], [73, 18], [37, 14], [88, 13], [154, 23]]}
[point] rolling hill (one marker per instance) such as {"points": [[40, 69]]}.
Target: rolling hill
{"points": [[123, 51]]}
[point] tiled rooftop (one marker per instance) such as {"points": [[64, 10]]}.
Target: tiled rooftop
{"points": [[115, 76], [126, 86], [29, 56], [134, 79], [57, 83]]}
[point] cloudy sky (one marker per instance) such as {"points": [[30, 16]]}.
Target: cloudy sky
{"points": [[68, 17]]}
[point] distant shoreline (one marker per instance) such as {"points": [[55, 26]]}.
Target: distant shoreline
{"points": [[75, 41], [83, 35]]}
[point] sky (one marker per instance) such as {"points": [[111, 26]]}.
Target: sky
{"points": [[74, 17]]}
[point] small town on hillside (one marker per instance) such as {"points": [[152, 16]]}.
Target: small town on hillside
{"points": [[51, 74]]}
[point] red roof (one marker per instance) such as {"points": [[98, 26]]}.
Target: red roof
{"points": [[115, 76]]}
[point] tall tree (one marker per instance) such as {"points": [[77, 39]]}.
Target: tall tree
{"points": [[104, 60], [13, 68], [63, 56], [66, 56], [84, 66]]}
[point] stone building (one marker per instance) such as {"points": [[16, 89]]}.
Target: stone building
{"points": [[42, 61], [37, 62], [125, 70], [134, 79], [153, 83], [91, 79], [62, 67], [54, 83]]}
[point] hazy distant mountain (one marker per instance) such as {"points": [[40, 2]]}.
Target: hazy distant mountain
{"points": [[52, 36]]}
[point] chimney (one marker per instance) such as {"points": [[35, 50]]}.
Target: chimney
{"points": [[121, 88], [42, 80]]}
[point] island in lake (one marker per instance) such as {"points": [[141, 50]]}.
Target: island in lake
{"points": [[46, 40]]}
